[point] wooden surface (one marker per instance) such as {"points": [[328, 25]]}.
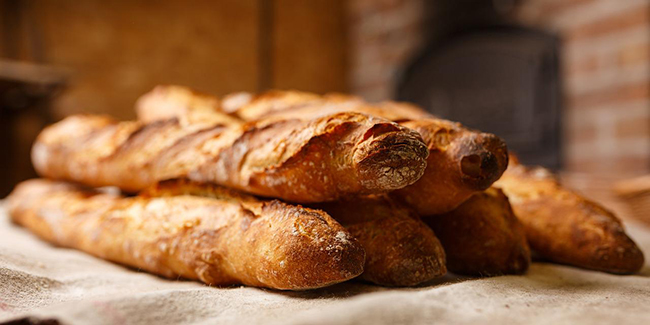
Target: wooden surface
{"points": [[118, 50]]}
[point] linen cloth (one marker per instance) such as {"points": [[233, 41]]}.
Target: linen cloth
{"points": [[43, 283]]}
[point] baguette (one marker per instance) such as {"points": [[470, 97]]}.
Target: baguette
{"points": [[224, 240], [563, 227], [482, 237], [189, 106], [400, 249], [461, 161], [315, 160]]}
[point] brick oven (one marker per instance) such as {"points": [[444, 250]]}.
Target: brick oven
{"points": [[497, 77], [603, 78]]}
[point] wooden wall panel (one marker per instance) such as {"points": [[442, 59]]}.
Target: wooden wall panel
{"points": [[118, 50], [309, 45]]}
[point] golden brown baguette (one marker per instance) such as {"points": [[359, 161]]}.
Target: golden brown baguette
{"points": [[461, 161], [564, 227], [189, 106], [226, 239], [482, 236], [314, 160], [296, 104], [400, 249]]}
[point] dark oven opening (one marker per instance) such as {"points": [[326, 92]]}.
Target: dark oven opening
{"points": [[494, 76]]}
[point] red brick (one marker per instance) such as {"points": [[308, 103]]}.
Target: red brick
{"points": [[584, 65], [634, 54], [633, 128], [612, 24], [620, 94], [580, 133], [630, 164], [552, 8], [625, 165]]}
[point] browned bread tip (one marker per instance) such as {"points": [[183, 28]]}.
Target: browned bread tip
{"points": [[461, 163], [563, 227], [226, 239], [400, 249]]}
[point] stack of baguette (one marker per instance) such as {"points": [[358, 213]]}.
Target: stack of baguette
{"points": [[293, 191]]}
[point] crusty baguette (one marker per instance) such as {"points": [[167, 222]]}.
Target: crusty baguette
{"points": [[482, 236], [564, 227], [189, 106], [312, 160], [461, 161], [296, 104], [400, 249], [227, 239]]}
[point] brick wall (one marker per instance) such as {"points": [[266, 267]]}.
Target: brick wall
{"points": [[605, 69], [383, 35]]}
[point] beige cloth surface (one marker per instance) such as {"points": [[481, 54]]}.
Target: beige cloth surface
{"points": [[47, 283]]}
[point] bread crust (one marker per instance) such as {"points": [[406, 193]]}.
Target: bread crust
{"points": [[165, 102], [461, 161], [315, 160], [482, 237], [566, 228], [227, 239], [400, 249]]}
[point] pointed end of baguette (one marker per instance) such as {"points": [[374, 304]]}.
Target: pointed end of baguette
{"points": [[617, 253], [519, 260], [415, 255], [316, 251], [483, 158]]}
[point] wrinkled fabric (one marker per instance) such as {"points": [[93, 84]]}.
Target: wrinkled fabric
{"points": [[41, 282]]}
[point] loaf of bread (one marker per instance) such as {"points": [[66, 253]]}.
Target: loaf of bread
{"points": [[299, 160], [226, 239], [461, 161], [189, 106], [400, 249], [563, 227], [482, 237]]}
